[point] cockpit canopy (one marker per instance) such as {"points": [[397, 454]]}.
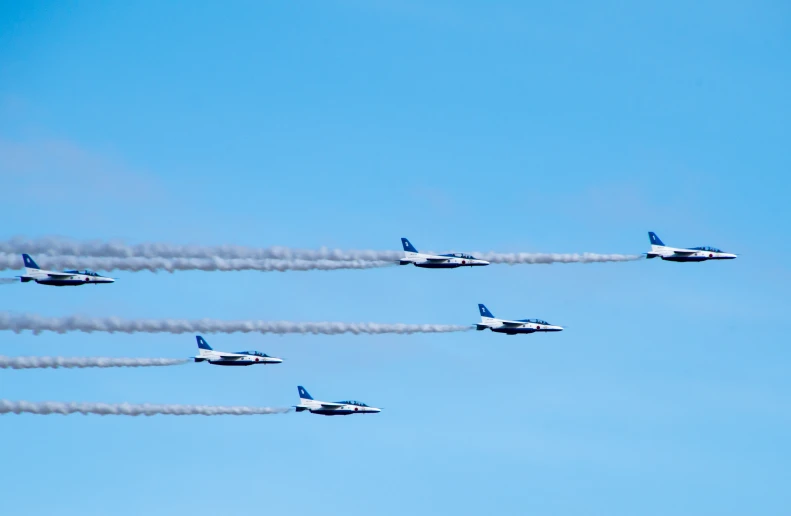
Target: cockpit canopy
{"points": [[253, 353], [86, 272], [535, 321], [460, 255], [349, 402], [705, 248]]}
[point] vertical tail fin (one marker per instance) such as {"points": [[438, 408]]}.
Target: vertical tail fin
{"points": [[303, 393], [485, 312], [655, 239], [408, 247], [30, 263], [202, 343]]}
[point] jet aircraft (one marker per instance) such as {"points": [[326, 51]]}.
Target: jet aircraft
{"points": [[239, 358], [59, 279], [433, 261], [331, 408], [692, 254], [488, 321]]}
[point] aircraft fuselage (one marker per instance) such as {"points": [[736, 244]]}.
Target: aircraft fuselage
{"points": [[688, 255], [449, 265], [70, 281], [684, 254], [343, 411]]}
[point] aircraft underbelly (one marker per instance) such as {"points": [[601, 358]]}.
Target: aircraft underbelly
{"points": [[685, 258], [332, 412], [513, 331], [230, 363], [438, 265], [60, 283]]}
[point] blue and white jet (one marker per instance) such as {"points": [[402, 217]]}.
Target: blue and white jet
{"points": [[238, 358], [59, 279], [692, 254], [490, 322], [331, 408], [434, 261]]}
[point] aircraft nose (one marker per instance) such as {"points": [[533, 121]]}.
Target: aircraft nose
{"points": [[484, 262], [277, 360]]}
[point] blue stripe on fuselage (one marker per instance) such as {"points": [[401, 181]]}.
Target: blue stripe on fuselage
{"points": [[439, 265], [233, 362]]}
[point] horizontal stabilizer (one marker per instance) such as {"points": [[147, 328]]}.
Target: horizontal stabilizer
{"points": [[481, 327]]}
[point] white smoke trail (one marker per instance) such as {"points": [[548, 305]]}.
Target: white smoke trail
{"points": [[533, 258], [128, 409], [136, 264], [60, 246], [82, 362], [37, 324]]}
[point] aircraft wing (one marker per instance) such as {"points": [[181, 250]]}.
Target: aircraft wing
{"points": [[437, 259], [513, 323], [229, 356], [683, 252], [331, 405], [59, 275]]}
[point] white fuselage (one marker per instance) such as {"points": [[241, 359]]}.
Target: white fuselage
{"points": [[434, 261], [234, 359], [677, 254], [326, 408], [62, 279], [515, 327]]}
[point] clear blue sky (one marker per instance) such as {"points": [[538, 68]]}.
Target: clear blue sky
{"points": [[465, 126]]}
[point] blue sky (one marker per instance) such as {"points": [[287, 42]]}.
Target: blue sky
{"points": [[465, 126]]}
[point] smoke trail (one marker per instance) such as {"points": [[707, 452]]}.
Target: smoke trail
{"points": [[66, 247], [135, 264], [173, 257], [37, 324], [81, 362], [533, 258], [128, 409]]}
